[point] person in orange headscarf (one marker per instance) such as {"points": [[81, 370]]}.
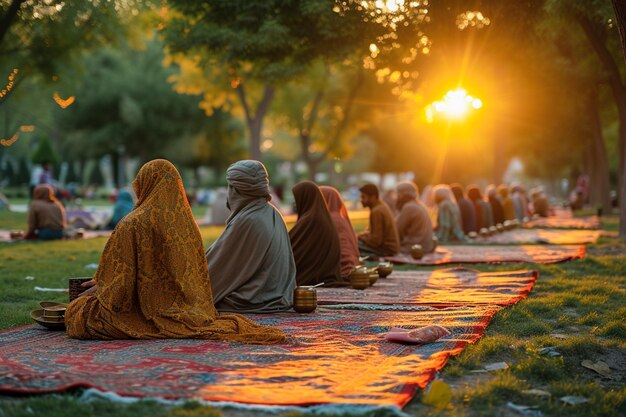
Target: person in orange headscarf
{"points": [[46, 215], [152, 281], [348, 246]]}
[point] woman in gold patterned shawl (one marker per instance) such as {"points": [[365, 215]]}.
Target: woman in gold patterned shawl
{"points": [[152, 279]]}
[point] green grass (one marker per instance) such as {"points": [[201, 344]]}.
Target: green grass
{"points": [[579, 308]]}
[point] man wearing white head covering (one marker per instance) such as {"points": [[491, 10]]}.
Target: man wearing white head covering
{"points": [[413, 221], [251, 264]]}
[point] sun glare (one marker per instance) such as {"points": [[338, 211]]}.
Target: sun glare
{"points": [[454, 105]]}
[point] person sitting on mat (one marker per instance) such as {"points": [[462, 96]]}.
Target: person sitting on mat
{"points": [[46, 215], [381, 239], [468, 213], [123, 205], [251, 264], [448, 215], [413, 221], [484, 214], [153, 280], [507, 203], [314, 239], [348, 245], [496, 204]]}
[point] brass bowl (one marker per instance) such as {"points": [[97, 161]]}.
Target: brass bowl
{"points": [[304, 299], [54, 313], [16, 234], [500, 227], [472, 235], [384, 269], [373, 277], [417, 252], [38, 316], [360, 278], [484, 231]]}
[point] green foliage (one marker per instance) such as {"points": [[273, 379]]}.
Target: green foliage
{"points": [[126, 105], [44, 36], [45, 152], [95, 176], [23, 173]]}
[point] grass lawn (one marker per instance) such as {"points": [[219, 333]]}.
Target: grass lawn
{"points": [[578, 307]]}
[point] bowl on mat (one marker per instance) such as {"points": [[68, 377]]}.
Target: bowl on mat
{"points": [[384, 269], [50, 323], [360, 278]]}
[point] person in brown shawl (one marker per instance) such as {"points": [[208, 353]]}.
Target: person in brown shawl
{"points": [[152, 281], [46, 215], [381, 239], [314, 239], [251, 265]]}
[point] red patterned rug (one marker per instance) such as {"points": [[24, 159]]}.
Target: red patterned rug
{"points": [[445, 287], [540, 254], [548, 236], [564, 219], [337, 356]]}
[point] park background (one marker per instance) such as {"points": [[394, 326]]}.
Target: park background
{"points": [[331, 90]]}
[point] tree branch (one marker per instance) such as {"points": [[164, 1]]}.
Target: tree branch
{"points": [[8, 18], [346, 116]]}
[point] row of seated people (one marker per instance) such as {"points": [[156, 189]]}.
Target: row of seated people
{"points": [[47, 218], [155, 280]]}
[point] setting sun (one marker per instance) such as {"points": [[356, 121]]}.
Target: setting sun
{"points": [[455, 105]]}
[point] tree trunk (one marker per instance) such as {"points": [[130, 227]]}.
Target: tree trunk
{"points": [[619, 93], [598, 161], [7, 19], [254, 121], [115, 168]]}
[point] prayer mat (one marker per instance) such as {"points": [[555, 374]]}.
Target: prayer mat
{"points": [[541, 254], [558, 222], [444, 287], [336, 356], [554, 237]]}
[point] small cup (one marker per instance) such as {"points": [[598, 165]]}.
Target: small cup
{"points": [[484, 231], [417, 252], [75, 287], [304, 299], [384, 269], [472, 235]]}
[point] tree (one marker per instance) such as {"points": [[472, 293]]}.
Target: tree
{"points": [[126, 106], [39, 37], [45, 152], [619, 6], [264, 43], [594, 18]]}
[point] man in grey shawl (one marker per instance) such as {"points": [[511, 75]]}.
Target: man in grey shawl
{"points": [[251, 264]]}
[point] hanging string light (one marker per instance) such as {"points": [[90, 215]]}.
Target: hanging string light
{"points": [[63, 103], [10, 83], [11, 141]]}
